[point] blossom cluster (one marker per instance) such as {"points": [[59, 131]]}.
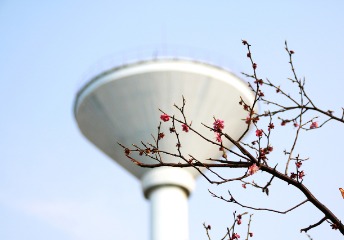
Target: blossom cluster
{"points": [[164, 117], [299, 174], [218, 126], [264, 151]]}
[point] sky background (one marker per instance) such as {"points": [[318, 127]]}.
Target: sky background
{"points": [[54, 184]]}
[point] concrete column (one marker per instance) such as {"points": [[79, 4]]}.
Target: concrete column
{"points": [[168, 189], [169, 213]]}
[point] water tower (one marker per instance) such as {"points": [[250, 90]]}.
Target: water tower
{"points": [[121, 105]]}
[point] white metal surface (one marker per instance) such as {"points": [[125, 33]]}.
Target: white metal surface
{"points": [[121, 105]]}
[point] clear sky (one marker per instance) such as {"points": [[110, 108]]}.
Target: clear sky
{"points": [[54, 184]]}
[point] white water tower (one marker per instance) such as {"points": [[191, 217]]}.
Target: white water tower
{"points": [[121, 105]]}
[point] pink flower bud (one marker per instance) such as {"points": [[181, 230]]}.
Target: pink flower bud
{"points": [[165, 117], [314, 125]]}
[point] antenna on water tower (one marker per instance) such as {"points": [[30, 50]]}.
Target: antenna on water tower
{"points": [[121, 105]]}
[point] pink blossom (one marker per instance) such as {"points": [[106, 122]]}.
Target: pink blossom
{"points": [[301, 174], [164, 117], [218, 125], [253, 169], [260, 81], [259, 132], [218, 137], [243, 185], [271, 126], [314, 125], [235, 236], [185, 127]]}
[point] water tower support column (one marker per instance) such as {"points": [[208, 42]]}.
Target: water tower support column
{"points": [[167, 190]]}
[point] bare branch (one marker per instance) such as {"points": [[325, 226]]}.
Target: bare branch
{"points": [[233, 200], [313, 225], [207, 228]]}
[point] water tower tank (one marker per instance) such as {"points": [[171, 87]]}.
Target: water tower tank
{"points": [[122, 105]]}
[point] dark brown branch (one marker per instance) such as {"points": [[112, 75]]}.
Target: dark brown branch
{"points": [[207, 228], [308, 194], [313, 225], [233, 200]]}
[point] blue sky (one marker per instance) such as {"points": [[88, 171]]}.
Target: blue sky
{"points": [[54, 184]]}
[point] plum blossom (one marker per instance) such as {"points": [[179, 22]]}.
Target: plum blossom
{"points": [[218, 125], [301, 174], [253, 169], [235, 236], [314, 125], [239, 219], [271, 126], [218, 137], [165, 117], [185, 127], [259, 132]]}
